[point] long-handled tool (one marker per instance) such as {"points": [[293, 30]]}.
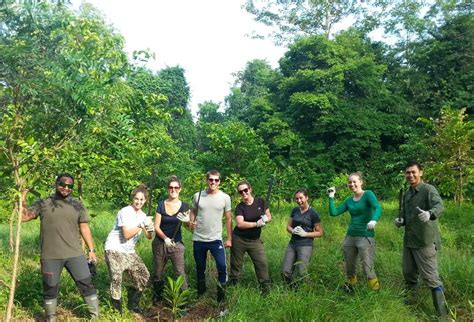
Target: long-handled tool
{"points": [[400, 203]]}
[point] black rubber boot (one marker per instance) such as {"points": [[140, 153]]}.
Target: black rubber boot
{"points": [[264, 288], [221, 292], [439, 302], [201, 287], [117, 304], [50, 309], [158, 288], [134, 297]]}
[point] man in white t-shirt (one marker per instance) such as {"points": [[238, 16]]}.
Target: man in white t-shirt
{"points": [[207, 211]]}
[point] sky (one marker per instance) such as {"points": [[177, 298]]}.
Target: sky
{"points": [[205, 37]]}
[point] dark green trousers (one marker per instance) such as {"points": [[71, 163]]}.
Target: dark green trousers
{"points": [[254, 247]]}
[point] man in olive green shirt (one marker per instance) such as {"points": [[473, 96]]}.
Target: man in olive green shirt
{"points": [[421, 208]]}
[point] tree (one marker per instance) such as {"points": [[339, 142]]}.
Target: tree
{"points": [[209, 112], [299, 18], [58, 71], [451, 158]]}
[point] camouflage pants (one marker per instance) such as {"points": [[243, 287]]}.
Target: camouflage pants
{"points": [[118, 263]]}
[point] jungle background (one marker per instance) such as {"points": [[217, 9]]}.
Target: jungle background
{"points": [[72, 100]]}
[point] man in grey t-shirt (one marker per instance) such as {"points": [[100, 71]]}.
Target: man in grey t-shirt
{"points": [[64, 221], [209, 206]]}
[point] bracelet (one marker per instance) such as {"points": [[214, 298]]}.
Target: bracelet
{"points": [[92, 250]]}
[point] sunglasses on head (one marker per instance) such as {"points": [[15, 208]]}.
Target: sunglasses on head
{"points": [[173, 187], [66, 185], [246, 190], [214, 180]]}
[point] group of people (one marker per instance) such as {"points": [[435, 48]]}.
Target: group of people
{"points": [[61, 215]]}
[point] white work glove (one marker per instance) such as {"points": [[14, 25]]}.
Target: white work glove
{"points": [[169, 242], [260, 223], [265, 218], [331, 192], [371, 225], [141, 225], [298, 230], [424, 215], [183, 217], [398, 222]]}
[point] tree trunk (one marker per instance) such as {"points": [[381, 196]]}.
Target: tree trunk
{"points": [[21, 198], [12, 221]]}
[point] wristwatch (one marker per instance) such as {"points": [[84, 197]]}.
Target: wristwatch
{"points": [[92, 250]]}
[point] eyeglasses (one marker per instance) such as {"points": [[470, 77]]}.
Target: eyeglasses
{"points": [[66, 185], [173, 187], [246, 190], [214, 180]]}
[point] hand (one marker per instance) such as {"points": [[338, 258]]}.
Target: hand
{"points": [[331, 192], [398, 222], [169, 243], [265, 218], [141, 225], [192, 225], [371, 225], [92, 258], [424, 215], [260, 223], [183, 217], [228, 243]]}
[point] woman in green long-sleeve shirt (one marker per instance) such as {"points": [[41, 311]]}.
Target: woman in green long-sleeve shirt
{"points": [[365, 211]]}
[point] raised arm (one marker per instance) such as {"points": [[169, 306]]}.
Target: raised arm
{"points": [[336, 211]]}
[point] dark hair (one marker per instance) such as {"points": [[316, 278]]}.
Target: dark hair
{"points": [[174, 178], [213, 172], [413, 163], [243, 182], [141, 188], [63, 175], [301, 190], [358, 174]]}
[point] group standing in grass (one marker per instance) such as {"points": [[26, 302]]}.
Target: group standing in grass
{"points": [[60, 213]]}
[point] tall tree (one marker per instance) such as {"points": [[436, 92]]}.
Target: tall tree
{"points": [[303, 17]]}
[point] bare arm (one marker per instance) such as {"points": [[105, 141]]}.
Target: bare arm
{"points": [[130, 231], [228, 224], [289, 227], [27, 215], [317, 232], [242, 224], [158, 230], [87, 236], [269, 215], [192, 219]]}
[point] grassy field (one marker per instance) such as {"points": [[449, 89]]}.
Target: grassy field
{"points": [[319, 299]]}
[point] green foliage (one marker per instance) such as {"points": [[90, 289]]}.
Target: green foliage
{"points": [[451, 157], [175, 297]]}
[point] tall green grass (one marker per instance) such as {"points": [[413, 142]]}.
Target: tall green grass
{"points": [[318, 299]]}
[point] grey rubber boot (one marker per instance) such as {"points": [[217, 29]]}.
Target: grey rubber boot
{"points": [[92, 305], [50, 309], [439, 302]]}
